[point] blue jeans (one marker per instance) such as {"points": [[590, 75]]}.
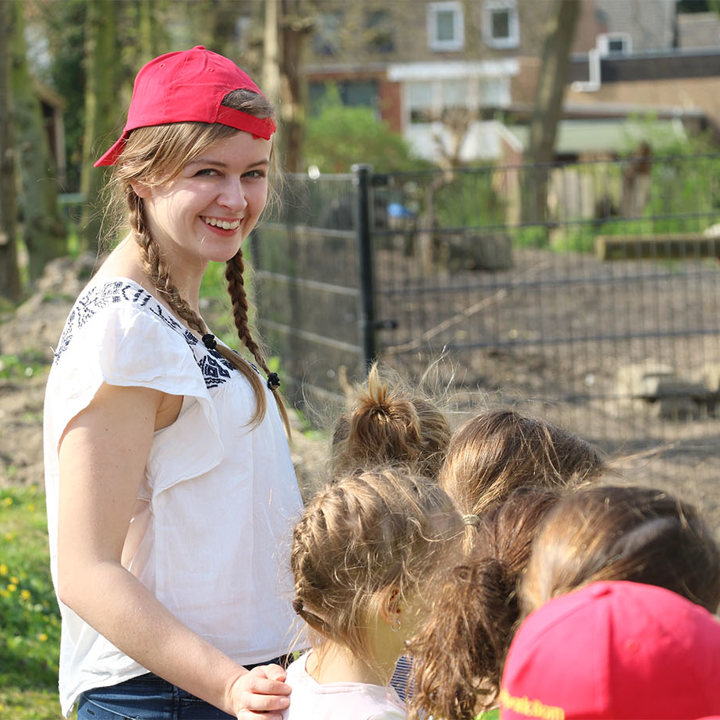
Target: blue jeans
{"points": [[149, 697]]}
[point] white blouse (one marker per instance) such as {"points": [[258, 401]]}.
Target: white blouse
{"points": [[211, 535]]}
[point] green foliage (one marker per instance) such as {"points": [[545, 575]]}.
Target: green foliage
{"points": [[28, 610], [469, 200], [339, 136], [26, 365]]}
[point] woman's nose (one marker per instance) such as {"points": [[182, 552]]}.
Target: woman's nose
{"points": [[232, 195]]}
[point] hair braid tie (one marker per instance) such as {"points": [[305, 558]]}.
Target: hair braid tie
{"points": [[209, 341], [273, 381]]}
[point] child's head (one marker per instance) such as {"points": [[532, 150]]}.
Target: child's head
{"points": [[615, 650], [362, 552], [459, 654], [623, 533], [500, 450], [390, 424]]}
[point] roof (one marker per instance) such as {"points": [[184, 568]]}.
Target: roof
{"points": [[606, 135]]}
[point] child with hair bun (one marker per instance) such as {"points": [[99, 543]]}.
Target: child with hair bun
{"points": [[388, 423], [361, 556]]}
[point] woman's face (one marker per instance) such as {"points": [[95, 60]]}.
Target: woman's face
{"points": [[206, 212]]}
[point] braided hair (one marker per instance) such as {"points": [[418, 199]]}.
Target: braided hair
{"points": [[153, 156]]}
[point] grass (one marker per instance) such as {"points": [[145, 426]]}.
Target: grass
{"points": [[29, 615]]}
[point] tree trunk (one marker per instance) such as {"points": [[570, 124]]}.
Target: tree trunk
{"points": [[10, 286], [102, 123], [552, 80], [295, 23], [43, 229]]}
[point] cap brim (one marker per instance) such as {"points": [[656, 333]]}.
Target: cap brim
{"points": [[111, 156]]}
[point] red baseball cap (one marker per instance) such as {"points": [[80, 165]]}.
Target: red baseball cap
{"points": [[188, 86], [619, 650]]}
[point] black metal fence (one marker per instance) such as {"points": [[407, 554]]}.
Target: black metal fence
{"points": [[599, 310]]}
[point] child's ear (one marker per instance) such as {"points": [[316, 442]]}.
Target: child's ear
{"points": [[391, 606]]}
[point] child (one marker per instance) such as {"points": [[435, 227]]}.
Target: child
{"points": [[361, 556], [623, 533], [500, 450], [617, 650], [459, 653], [390, 424]]}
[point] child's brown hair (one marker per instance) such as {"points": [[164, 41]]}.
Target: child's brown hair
{"points": [[638, 534], [390, 424], [458, 656], [361, 539], [498, 451]]}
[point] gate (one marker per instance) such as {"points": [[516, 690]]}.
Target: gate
{"points": [[602, 315]]}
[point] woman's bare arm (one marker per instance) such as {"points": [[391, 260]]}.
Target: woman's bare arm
{"points": [[102, 462]]}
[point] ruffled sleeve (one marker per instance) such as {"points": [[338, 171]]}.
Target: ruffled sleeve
{"points": [[118, 334]]}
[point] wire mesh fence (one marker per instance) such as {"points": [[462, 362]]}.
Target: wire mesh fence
{"points": [[595, 306]]}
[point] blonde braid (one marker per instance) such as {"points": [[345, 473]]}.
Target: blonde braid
{"points": [[234, 274], [157, 272]]}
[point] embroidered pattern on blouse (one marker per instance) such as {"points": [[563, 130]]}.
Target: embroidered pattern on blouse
{"points": [[215, 369]]}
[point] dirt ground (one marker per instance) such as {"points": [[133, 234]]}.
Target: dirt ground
{"points": [[31, 333], [688, 470]]}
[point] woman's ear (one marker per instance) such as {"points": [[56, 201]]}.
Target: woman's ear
{"points": [[140, 189]]}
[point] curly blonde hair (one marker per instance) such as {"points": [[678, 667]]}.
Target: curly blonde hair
{"points": [[360, 538]]}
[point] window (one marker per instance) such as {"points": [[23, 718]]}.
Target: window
{"points": [[500, 23], [429, 101], [326, 39], [614, 44], [446, 28], [380, 32]]}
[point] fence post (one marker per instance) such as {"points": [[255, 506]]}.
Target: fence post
{"points": [[362, 179]]}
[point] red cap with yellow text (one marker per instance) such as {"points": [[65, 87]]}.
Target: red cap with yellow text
{"points": [[614, 650], [188, 86]]}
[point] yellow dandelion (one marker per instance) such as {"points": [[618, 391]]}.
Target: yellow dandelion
{"points": [[3, 569], [7, 502], [25, 594], [42, 637], [12, 587], [31, 507], [14, 579]]}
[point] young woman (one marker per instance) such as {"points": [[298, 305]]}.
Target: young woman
{"points": [[361, 556], [169, 482]]}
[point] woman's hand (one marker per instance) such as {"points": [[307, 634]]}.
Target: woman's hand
{"points": [[260, 693]]}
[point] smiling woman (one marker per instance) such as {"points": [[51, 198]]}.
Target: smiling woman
{"points": [[170, 489]]}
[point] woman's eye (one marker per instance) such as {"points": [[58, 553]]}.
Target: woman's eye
{"points": [[255, 174], [207, 172]]}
